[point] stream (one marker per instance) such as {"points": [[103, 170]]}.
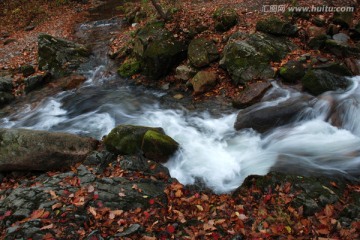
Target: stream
{"points": [[211, 149]]}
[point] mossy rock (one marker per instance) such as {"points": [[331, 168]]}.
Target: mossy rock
{"points": [[158, 146], [292, 71], [27, 70], [248, 57], [276, 26], [59, 56], [130, 67], [336, 68], [202, 52], [318, 42], [6, 84], [225, 18], [5, 98], [319, 81], [203, 81], [130, 139], [340, 49], [157, 50]]}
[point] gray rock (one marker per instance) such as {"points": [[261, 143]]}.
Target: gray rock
{"points": [[341, 49], [22, 149], [59, 56], [202, 52], [133, 228], [343, 18], [276, 26], [157, 50], [319, 81], [265, 119], [341, 38], [225, 18], [248, 57]]}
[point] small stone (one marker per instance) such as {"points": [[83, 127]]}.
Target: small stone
{"points": [[29, 28], [341, 38], [203, 81], [165, 86], [323, 60], [184, 72], [178, 96]]}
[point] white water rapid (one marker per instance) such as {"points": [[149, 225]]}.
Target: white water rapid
{"points": [[211, 149]]}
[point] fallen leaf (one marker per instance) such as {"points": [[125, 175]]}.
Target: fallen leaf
{"points": [[91, 189], [92, 211], [50, 226], [56, 205]]}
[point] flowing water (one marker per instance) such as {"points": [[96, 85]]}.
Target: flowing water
{"points": [[324, 138]]}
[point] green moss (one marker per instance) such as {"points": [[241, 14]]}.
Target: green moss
{"points": [[129, 68], [158, 146], [225, 18]]}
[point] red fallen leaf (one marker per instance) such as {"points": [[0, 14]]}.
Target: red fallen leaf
{"points": [[46, 215], [56, 205], [37, 213], [7, 213], [147, 215], [267, 198], [215, 236], [96, 196], [99, 204], [323, 231], [50, 226], [170, 229], [151, 201]]}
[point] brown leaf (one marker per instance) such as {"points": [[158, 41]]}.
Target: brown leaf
{"points": [[50, 226], [323, 231], [92, 211], [56, 205]]}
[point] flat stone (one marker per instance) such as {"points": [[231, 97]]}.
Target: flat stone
{"points": [[251, 95]]}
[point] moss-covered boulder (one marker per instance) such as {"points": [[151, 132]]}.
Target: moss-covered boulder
{"points": [[276, 26], [153, 143], [22, 149], [59, 56], [27, 70], [157, 50], [292, 71], [318, 42], [225, 18], [202, 52], [203, 81], [337, 68], [319, 81], [248, 57], [129, 67]]}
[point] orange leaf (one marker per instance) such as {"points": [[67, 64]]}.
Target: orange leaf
{"points": [[323, 231], [56, 205], [37, 213], [92, 211], [170, 229], [47, 227]]}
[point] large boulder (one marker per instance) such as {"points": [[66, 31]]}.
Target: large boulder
{"points": [[202, 52], [319, 81], [247, 57], [152, 142], [129, 67], [343, 18], [36, 81], [276, 26], [225, 18], [22, 149], [263, 119], [341, 49], [59, 56], [157, 50]]}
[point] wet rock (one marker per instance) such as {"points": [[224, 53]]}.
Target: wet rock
{"points": [[59, 56], [276, 26], [184, 72], [71, 82], [333, 29], [157, 50], [6, 98], [337, 68], [152, 142], [344, 19], [225, 18], [292, 71], [140, 164], [27, 70], [99, 158], [6, 84], [129, 67], [22, 149], [319, 81], [251, 95], [248, 57], [266, 118], [203, 81], [341, 49], [37, 81], [353, 65], [202, 52]]}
